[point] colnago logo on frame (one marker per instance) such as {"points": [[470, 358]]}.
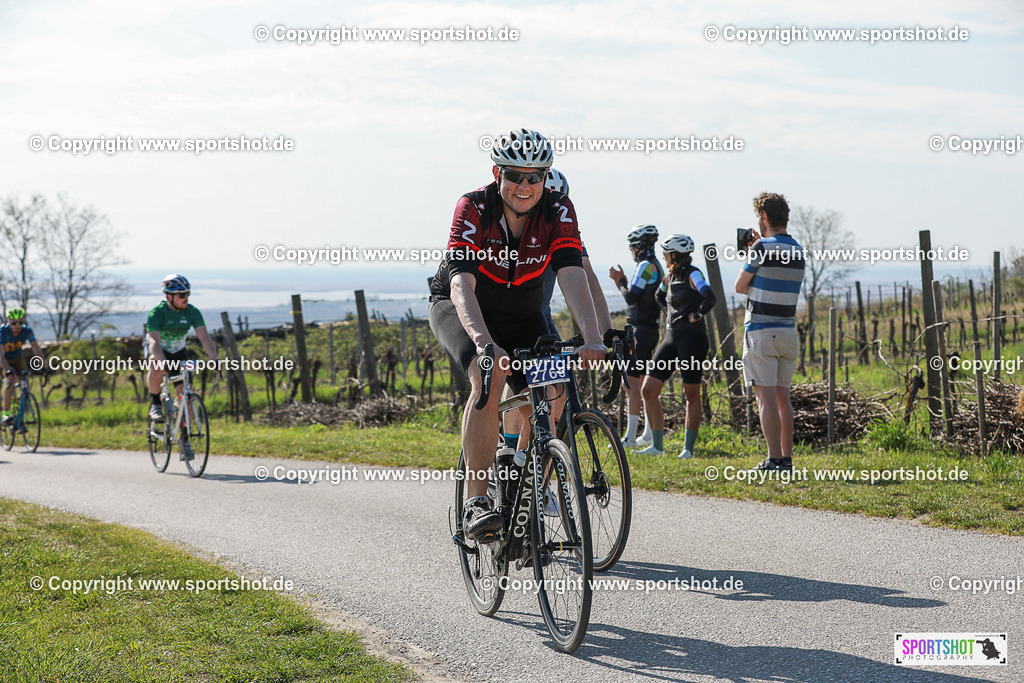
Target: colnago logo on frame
{"points": [[951, 649]]}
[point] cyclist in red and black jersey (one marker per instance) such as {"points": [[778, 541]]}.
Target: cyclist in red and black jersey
{"points": [[489, 289]]}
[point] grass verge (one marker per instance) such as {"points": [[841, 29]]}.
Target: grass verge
{"points": [[55, 631]]}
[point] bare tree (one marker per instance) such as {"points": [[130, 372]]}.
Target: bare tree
{"points": [[817, 231], [21, 236], [78, 250]]}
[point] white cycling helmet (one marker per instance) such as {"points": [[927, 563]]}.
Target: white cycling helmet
{"points": [[522, 147], [556, 182], [176, 284], [642, 235], [680, 244]]}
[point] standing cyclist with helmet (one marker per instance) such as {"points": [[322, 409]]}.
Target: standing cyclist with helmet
{"points": [[644, 314], [166, 329], [14, 335], [489, 289], [687, 297]]}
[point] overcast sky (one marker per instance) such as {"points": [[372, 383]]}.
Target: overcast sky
{"points": [[387, 134]]}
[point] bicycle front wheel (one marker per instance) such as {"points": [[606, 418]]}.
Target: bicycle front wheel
{"points": [[606, 483], [562, 554], [482, 570], [198, 436], [31, 425], [159, 444]]}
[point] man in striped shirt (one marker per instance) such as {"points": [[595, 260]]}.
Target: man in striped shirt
{"points": [[771, 280]]}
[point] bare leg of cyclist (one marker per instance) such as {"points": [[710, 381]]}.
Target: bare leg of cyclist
{"points": [[480, 434]]}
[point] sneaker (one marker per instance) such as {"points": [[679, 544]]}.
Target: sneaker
{"points": [[550, 503], [186, 451], [641, 443], [156, 413], [479, 522], [686, 454], [6, 419], [651, 450], [770, 465]]}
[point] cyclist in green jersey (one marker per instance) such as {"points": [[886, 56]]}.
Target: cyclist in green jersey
{"points": [[166, 328]]}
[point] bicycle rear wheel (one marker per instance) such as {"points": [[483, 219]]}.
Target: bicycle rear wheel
{"points": [[606, 483], [561, 538], [198, 435], [482, 570]]}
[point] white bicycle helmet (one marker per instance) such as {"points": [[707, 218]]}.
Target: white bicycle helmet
{"points": [[642, 235], [556, 181], [680, 244], [176, 284], [522, 147]]}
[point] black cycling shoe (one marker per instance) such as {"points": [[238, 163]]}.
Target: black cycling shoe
{"points": [[156, 413], [772, 465], [479, 522]]}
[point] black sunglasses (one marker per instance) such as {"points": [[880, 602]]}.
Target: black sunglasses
{"points": [[516, 177]]}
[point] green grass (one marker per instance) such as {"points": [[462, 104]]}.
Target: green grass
{"points": [[124, 633]]}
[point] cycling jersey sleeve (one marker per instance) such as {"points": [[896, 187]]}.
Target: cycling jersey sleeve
{"points": [[661, 296], [566, 246], [698, 282], [645, 274], [464, 240]]}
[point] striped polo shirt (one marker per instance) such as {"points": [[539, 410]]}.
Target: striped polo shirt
{"points": [[777, 264]]}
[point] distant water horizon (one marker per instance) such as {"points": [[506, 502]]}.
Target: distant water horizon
{"points": [[263, 295]]}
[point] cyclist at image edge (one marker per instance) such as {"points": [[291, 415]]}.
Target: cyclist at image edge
{"points": [[477, 301], [166, 329], [644, 314], [14, 335]]}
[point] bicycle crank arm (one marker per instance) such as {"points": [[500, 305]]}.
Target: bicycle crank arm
{"points": [[457, 540]]}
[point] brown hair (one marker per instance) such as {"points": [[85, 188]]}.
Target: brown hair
{"points": [[676, 263], [774, 206]]}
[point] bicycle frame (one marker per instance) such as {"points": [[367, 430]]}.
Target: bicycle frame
{"points": [[182, 418]]}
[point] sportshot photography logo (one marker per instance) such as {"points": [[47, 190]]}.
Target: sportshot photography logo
{"points": [[951, 649]]}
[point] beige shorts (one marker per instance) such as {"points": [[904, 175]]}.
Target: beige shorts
{"points": [[769, 356]]}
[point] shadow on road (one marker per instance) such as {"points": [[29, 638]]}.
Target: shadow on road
{"points": [[43, 451], [228, 478], [758, 586], [662, 657]]}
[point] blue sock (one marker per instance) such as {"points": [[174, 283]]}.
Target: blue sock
{"points": [[690, 440], [658, 435], [511, 440]]}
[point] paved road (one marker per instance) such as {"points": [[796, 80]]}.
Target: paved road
{"points": [[823, 594]]}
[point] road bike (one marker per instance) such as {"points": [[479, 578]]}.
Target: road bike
{"points": [[185, 424], [595, 444], [552, 537], [25, 425]]}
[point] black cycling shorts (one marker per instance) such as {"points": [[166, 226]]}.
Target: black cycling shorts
{"points": [[646, 339], [682, 350], [174, 360], [451, 335]]}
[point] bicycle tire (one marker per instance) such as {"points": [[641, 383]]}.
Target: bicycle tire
{"points": [[31, 423], [481, 570], [198, 435], [565, 597], [607, 484], [7, 435], [159, 448]]}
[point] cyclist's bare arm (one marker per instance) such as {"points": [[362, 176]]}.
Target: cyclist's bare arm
{"points": [[463, 286], [206, 341], [156, 351], [573, 282], [604, 317]]}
